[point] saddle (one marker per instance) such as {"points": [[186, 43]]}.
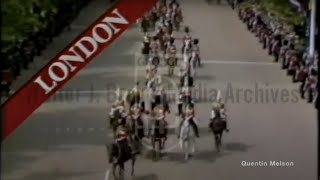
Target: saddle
{"points": [[138, 127], [218, 124], [159, 129], [122, 150]]}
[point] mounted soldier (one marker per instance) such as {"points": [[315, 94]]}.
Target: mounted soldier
{"points": [[218, 123], [187, 44], [144, 24], [180, 104], [117, 113], [218, 112], [136, 127], [154, 57], [158, 132], [134, 95], [146, 48], [190, 118], [186, 79], [151, 73], [121, 150], [171, 57], [195, 54], [167, 36]]}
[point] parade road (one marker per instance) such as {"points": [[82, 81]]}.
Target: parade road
{"points": [[66, 139]]}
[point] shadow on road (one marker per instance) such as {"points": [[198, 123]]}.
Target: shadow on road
{"points": [[209, 155], [58, 174], [206, 155], [19, 159], [146, 177], [236, 146]]}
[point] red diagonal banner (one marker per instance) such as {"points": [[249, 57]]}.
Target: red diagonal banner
{"points": [[71, 60]]}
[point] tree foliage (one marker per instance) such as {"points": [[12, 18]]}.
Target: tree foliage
{"points": [[19, 20], [284, 11], [281, 9]]}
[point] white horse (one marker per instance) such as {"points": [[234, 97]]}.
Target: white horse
{"points": [[187, 139]]}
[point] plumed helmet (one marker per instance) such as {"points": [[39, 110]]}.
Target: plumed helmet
{"points": [[172, 40], [216, 105], [186, 29], [196, 41]]}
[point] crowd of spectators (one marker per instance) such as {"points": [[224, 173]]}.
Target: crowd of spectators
{"points": [[287, 45]]}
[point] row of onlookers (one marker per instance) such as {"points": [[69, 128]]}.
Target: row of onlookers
{"points": [[284, 46]]}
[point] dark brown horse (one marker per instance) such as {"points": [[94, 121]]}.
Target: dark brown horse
{"points": [[217, 125], [119, 153]]}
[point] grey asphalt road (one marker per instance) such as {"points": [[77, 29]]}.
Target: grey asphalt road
{"points": [[65, 140]]}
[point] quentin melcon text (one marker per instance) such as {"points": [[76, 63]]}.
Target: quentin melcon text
{"points": [[103, 32], [267, 163]]}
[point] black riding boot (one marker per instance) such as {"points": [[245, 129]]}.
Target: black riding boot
{"points": [[195, 127], [310, 96], [180, 109]]}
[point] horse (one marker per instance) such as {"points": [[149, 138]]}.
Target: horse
{"points": [[136, 127], [133, 98], [186, 48], [117, 120], [119, 153], [171, 62], [177, 19], [160, 100], [187, 139], [158, 134], [217, 125]]}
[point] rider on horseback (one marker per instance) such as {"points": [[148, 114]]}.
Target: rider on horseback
{"points": [[187, 97], [180, 103], [125, 142], [196, 52], [155, 46], [218, 111], [162, 119], [189, 117], [121, 134], [186, 34], [171, 50]]}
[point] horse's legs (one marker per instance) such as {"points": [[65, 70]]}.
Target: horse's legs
{"points": [[193, 146], [153, 147], [218, 141], [186, 150], [160, 147], [114, 168], [133, 160], [121, 171]]}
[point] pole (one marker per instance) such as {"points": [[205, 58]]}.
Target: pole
{"points": [[312, 28], [317, 46]]}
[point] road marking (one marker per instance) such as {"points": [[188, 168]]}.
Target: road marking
{"points": [[106, 177], [80, 130], [68, 129], [133, 49], [91, 129], [239, 62], [98, 91]]}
